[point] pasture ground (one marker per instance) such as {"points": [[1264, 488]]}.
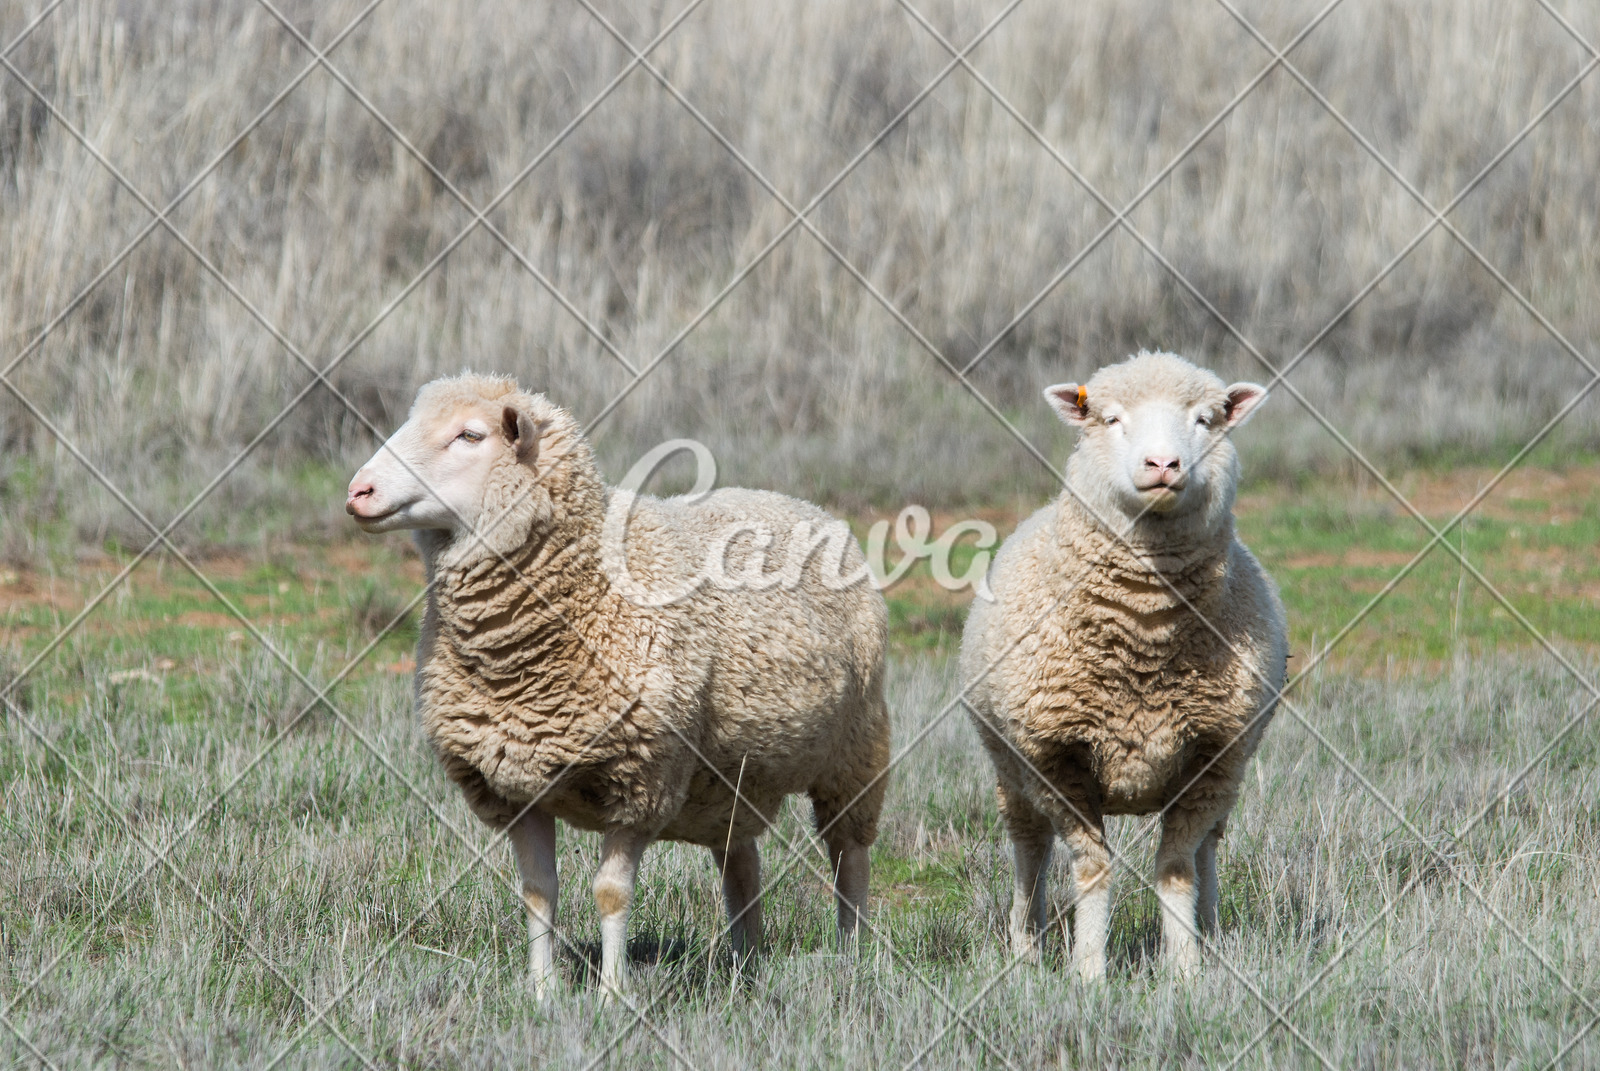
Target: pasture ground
{"points": [[1392, 889]]}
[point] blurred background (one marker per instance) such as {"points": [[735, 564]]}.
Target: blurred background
{"points": [[798, 377]]}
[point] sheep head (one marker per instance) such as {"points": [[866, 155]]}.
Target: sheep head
{"points": [[1155, 436], [465, 462]]}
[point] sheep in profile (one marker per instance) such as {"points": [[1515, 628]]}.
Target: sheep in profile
{"points": [[553, 684], [1128, 665]]}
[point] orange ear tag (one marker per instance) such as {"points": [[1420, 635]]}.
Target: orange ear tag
{"points": [[1083, 397]]}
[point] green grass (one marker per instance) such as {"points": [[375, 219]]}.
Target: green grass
{"points": [[1332, 554], [345, 860], [1332, 549]]}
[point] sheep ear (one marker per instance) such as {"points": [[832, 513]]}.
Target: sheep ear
{"points": [[1242, 401], [1070, 401], [522, 433]]}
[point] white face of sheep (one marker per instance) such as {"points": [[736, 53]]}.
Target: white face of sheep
{"points": [[432, 473], [1160, 453]]}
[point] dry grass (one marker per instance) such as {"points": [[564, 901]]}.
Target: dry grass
{"points": [[324, 862], [799, 379], [328, 865]]}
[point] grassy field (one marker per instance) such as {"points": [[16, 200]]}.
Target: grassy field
{"points": [[1401, 910], [207, 868]]}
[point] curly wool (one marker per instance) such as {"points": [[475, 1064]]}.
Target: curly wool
{"points": [[1121, 670], [538, 680]]}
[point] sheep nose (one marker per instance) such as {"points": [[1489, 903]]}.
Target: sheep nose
{"points": [[1163, 465], [359, 489]]}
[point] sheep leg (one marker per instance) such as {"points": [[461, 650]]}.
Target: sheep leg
{"points": [[620, 853], [1091, 879], [1177, 888], [533, 838], [851, 868], [1032, 842], [1205, 865], [740, 867]]}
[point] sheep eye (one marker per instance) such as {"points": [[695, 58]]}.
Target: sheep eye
{"points": [[1111, 420], [471, 436]]}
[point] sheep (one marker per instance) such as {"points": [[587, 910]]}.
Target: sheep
{"points": [[1133, 652], [548, 693]]}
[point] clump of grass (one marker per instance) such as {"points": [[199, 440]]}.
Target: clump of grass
{"points": [[376, 609]]}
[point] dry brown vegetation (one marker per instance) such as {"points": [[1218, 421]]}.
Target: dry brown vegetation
{"points": [[799, 378], [1413, 866]]}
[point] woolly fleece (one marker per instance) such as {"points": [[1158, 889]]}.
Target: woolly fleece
{"points": [[536, 679], [1102, 679]]}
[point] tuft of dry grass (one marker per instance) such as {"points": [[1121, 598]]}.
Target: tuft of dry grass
{"points": [[799, 378]]}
